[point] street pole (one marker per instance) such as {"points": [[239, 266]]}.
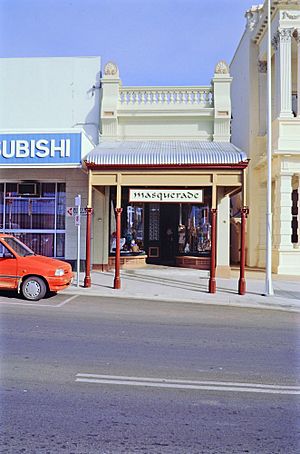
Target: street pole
{"points": [[77, 223], [268, 281]]}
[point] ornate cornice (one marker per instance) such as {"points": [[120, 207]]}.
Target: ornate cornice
{"points": [[283, 35], [262, 66], [253, 15], [275, 41]]}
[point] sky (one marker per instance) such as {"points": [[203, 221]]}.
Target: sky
{"points": [[153, 42]]}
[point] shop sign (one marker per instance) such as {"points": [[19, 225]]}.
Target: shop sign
{"points": [[33, 149], [166, 195], [73, 211]]}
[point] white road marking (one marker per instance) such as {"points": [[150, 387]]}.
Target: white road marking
{"points": [[67, 301], [40, 304], [188, 384]]}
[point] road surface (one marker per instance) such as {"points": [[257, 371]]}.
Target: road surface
{"points": [[98, 376]]}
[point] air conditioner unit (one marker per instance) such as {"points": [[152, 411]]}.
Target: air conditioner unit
{"points": [[27, 188]]}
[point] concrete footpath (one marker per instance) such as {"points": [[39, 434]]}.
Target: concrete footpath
{"points": [[160, 283]]}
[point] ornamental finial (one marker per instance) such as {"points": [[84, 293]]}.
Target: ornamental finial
{"points": [[111, 69], [222, 68]]}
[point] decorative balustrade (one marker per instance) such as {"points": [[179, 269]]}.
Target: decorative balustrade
{"points": [[133, 96]]}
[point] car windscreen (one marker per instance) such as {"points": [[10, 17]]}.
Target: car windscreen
{"points": [[20, 248]]}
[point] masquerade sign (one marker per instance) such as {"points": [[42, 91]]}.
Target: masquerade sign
{"points": [[166, 195]]}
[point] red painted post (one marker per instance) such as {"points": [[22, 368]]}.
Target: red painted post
{"points": [[242, 280], [212, 277], [87, 278], [117, 280]]}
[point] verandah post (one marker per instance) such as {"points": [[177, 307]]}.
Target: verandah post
{"points": [[212, 277], [242, 280], [89, 210], [87, 278], [117, 280], [118, 210]]}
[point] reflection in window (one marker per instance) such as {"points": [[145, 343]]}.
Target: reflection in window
{"points": [[61, 206], [132, 237], [1, 206], [30, 213], [40, 243], [194, 230], [26, 215], [295, 203], [134, 229]]}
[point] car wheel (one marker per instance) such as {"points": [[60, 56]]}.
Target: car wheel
{"points": [[33, 288]]}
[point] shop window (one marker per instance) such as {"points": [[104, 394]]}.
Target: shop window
{"points": [[1, 206], [194, 231], [295, 222], [29, 213], [60, 245], [134, 228], [47, 189], [11, 189], [61, 206], [35, 212], [40, 243], [295, 104], [132, 234]]}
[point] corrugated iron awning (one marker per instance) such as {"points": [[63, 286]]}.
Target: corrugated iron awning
{"points": [[165, 153]]}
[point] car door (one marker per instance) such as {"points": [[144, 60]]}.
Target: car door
{"points": [[8, 269]]}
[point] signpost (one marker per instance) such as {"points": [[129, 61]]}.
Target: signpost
{"points": [[77, 223], [72, 211]]}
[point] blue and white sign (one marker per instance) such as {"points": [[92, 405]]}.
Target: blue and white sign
{"points": [[39, 148]]}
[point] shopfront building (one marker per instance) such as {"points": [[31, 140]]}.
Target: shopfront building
{"points": [[161, 177], [49, 123], [166, 213], [40, 176]]}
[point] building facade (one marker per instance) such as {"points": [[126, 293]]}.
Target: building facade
{"points": [[154, 166], [166, 167], [49, 123], [249, 123]]}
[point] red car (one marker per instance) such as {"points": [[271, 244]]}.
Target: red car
{"points": [[30, 274]]}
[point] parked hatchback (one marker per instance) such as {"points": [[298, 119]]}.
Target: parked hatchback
{"points": [[30, 274]]}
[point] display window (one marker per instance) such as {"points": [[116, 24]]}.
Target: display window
{"points": [[194, 230], [35, 213], [162, 230], [132, 234]]}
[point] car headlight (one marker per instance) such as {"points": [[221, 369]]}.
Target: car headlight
{"points": [[59, 272]]}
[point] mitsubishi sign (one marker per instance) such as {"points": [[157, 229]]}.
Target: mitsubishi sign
{"points": [[38, 149]]}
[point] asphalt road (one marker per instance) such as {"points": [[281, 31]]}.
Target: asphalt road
{"points": [[106, 376]]}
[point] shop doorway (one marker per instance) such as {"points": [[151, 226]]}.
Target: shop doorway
{"points": [[169, 237], [161, 233]]}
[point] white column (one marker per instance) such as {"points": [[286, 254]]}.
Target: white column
{"points": [[262, 203], [262, 81], [283, 212], [110, 83], [222, 102], [282, 43]]}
